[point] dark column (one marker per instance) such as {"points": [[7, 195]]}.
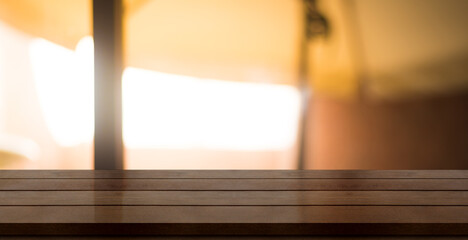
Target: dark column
{"points": [[108, 64]]}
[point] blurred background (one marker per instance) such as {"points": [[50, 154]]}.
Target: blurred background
{"points": [[242, 84]]}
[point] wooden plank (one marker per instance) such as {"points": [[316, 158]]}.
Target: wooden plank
{"points": [[233, 198], [108, 67], [233, 184], [277, 174], [180, 220], [234, 214]]}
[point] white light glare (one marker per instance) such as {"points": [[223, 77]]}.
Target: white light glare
{"points": [[65, 87], [163, 110], [172, 111]]}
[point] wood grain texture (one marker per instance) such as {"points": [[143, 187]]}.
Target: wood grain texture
{"points": [[233, 184], [235, 174], [233, 198], [179, 220], [234, 214], [234, 203]]}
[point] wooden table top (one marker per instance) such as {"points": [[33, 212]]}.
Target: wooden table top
{"points": [[241, 203]]}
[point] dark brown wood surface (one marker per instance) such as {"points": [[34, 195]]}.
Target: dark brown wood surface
{"points": [[234, 203], [234, 184], [236, 174], [234, 198]]}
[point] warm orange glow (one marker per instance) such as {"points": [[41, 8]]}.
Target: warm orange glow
{"points": [[163, 110]]}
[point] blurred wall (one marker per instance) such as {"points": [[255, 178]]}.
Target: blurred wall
{"points": [[422, 133], [391, 49], [413, 47], [403, 103], [236, 40]]}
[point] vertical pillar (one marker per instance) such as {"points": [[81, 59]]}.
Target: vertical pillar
{"points": [[303, 88], [108, 65], [315, 25]]}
